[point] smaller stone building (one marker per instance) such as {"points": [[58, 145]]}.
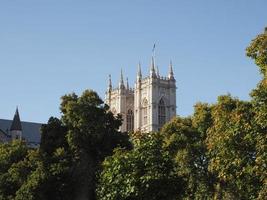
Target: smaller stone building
{"points": [[17, 130]]}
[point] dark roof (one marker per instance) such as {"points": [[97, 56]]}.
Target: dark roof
{"points": [[3, 132], [16, 123], [4, 137], [30, 131]]}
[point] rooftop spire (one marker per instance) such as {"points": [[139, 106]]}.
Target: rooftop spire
{"points": [[127, 84], [139, 69], [158, 72], [152, 68], [139, 73], [110, 83], [121, 85], [171, 75], [16, 123]]}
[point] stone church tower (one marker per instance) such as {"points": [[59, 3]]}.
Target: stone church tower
{"points": [[16, 128], [147, 106]]}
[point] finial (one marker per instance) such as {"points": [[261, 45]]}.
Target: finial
{"points": [[152, 68], [139, 69], [158, 72], [110, 83], [139, 73], [121, 80], [152, 63], [171, 75], [127, 84]]}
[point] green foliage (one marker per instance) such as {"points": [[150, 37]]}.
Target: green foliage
{"points": [[92, 134], [30, 189], [202, 119], [70, 150], [257, 50], [89, 123], [50, 175], [146, 172], [185, 144], [231, 147], [50, 179], [12, 173], [53, 136], [259, 102]]}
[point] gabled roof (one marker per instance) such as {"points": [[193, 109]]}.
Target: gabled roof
{"points": [[31, 131], [16, 123]]}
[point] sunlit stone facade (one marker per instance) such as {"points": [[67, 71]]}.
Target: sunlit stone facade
{"points": [[147, 106]]}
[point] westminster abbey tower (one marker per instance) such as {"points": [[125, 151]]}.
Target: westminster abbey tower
{"points": [[147, 106]]}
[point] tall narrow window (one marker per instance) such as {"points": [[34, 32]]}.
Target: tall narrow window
{"points": [[162, 113], [144, 109], [130, 120]]}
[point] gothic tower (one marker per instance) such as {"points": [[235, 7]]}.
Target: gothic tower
{"points": [[155, 99], [121, 101], [149, 105]]}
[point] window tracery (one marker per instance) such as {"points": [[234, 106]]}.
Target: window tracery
{"points": [[130, 120], [161, 113]]}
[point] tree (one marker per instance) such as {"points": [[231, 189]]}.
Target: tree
{"points": [[50, 175], [257, 50], [53, 136], [12, 175], [231, 148], [26, 174], [185, 145], [70, 151], [202, 119], [92, 135], [145, 172], [50, 178]]}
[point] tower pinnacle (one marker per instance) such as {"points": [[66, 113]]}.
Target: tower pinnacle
{"points": [[121, 84], [139, 73], [16, 123], [171, 75], [127, 84], [152, 68], [110, 83], [158, 72]]}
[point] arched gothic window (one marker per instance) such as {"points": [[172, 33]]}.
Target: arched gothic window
{"points": [[144, 112], [162, 113], [130, 120]]}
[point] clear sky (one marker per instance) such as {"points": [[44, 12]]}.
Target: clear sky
{"points": [[52, 47]]}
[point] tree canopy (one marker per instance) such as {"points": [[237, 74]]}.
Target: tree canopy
{"points": [[217, 153], [145, 172]]}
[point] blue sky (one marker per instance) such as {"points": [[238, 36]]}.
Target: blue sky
{"points": [[49, 48]]}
